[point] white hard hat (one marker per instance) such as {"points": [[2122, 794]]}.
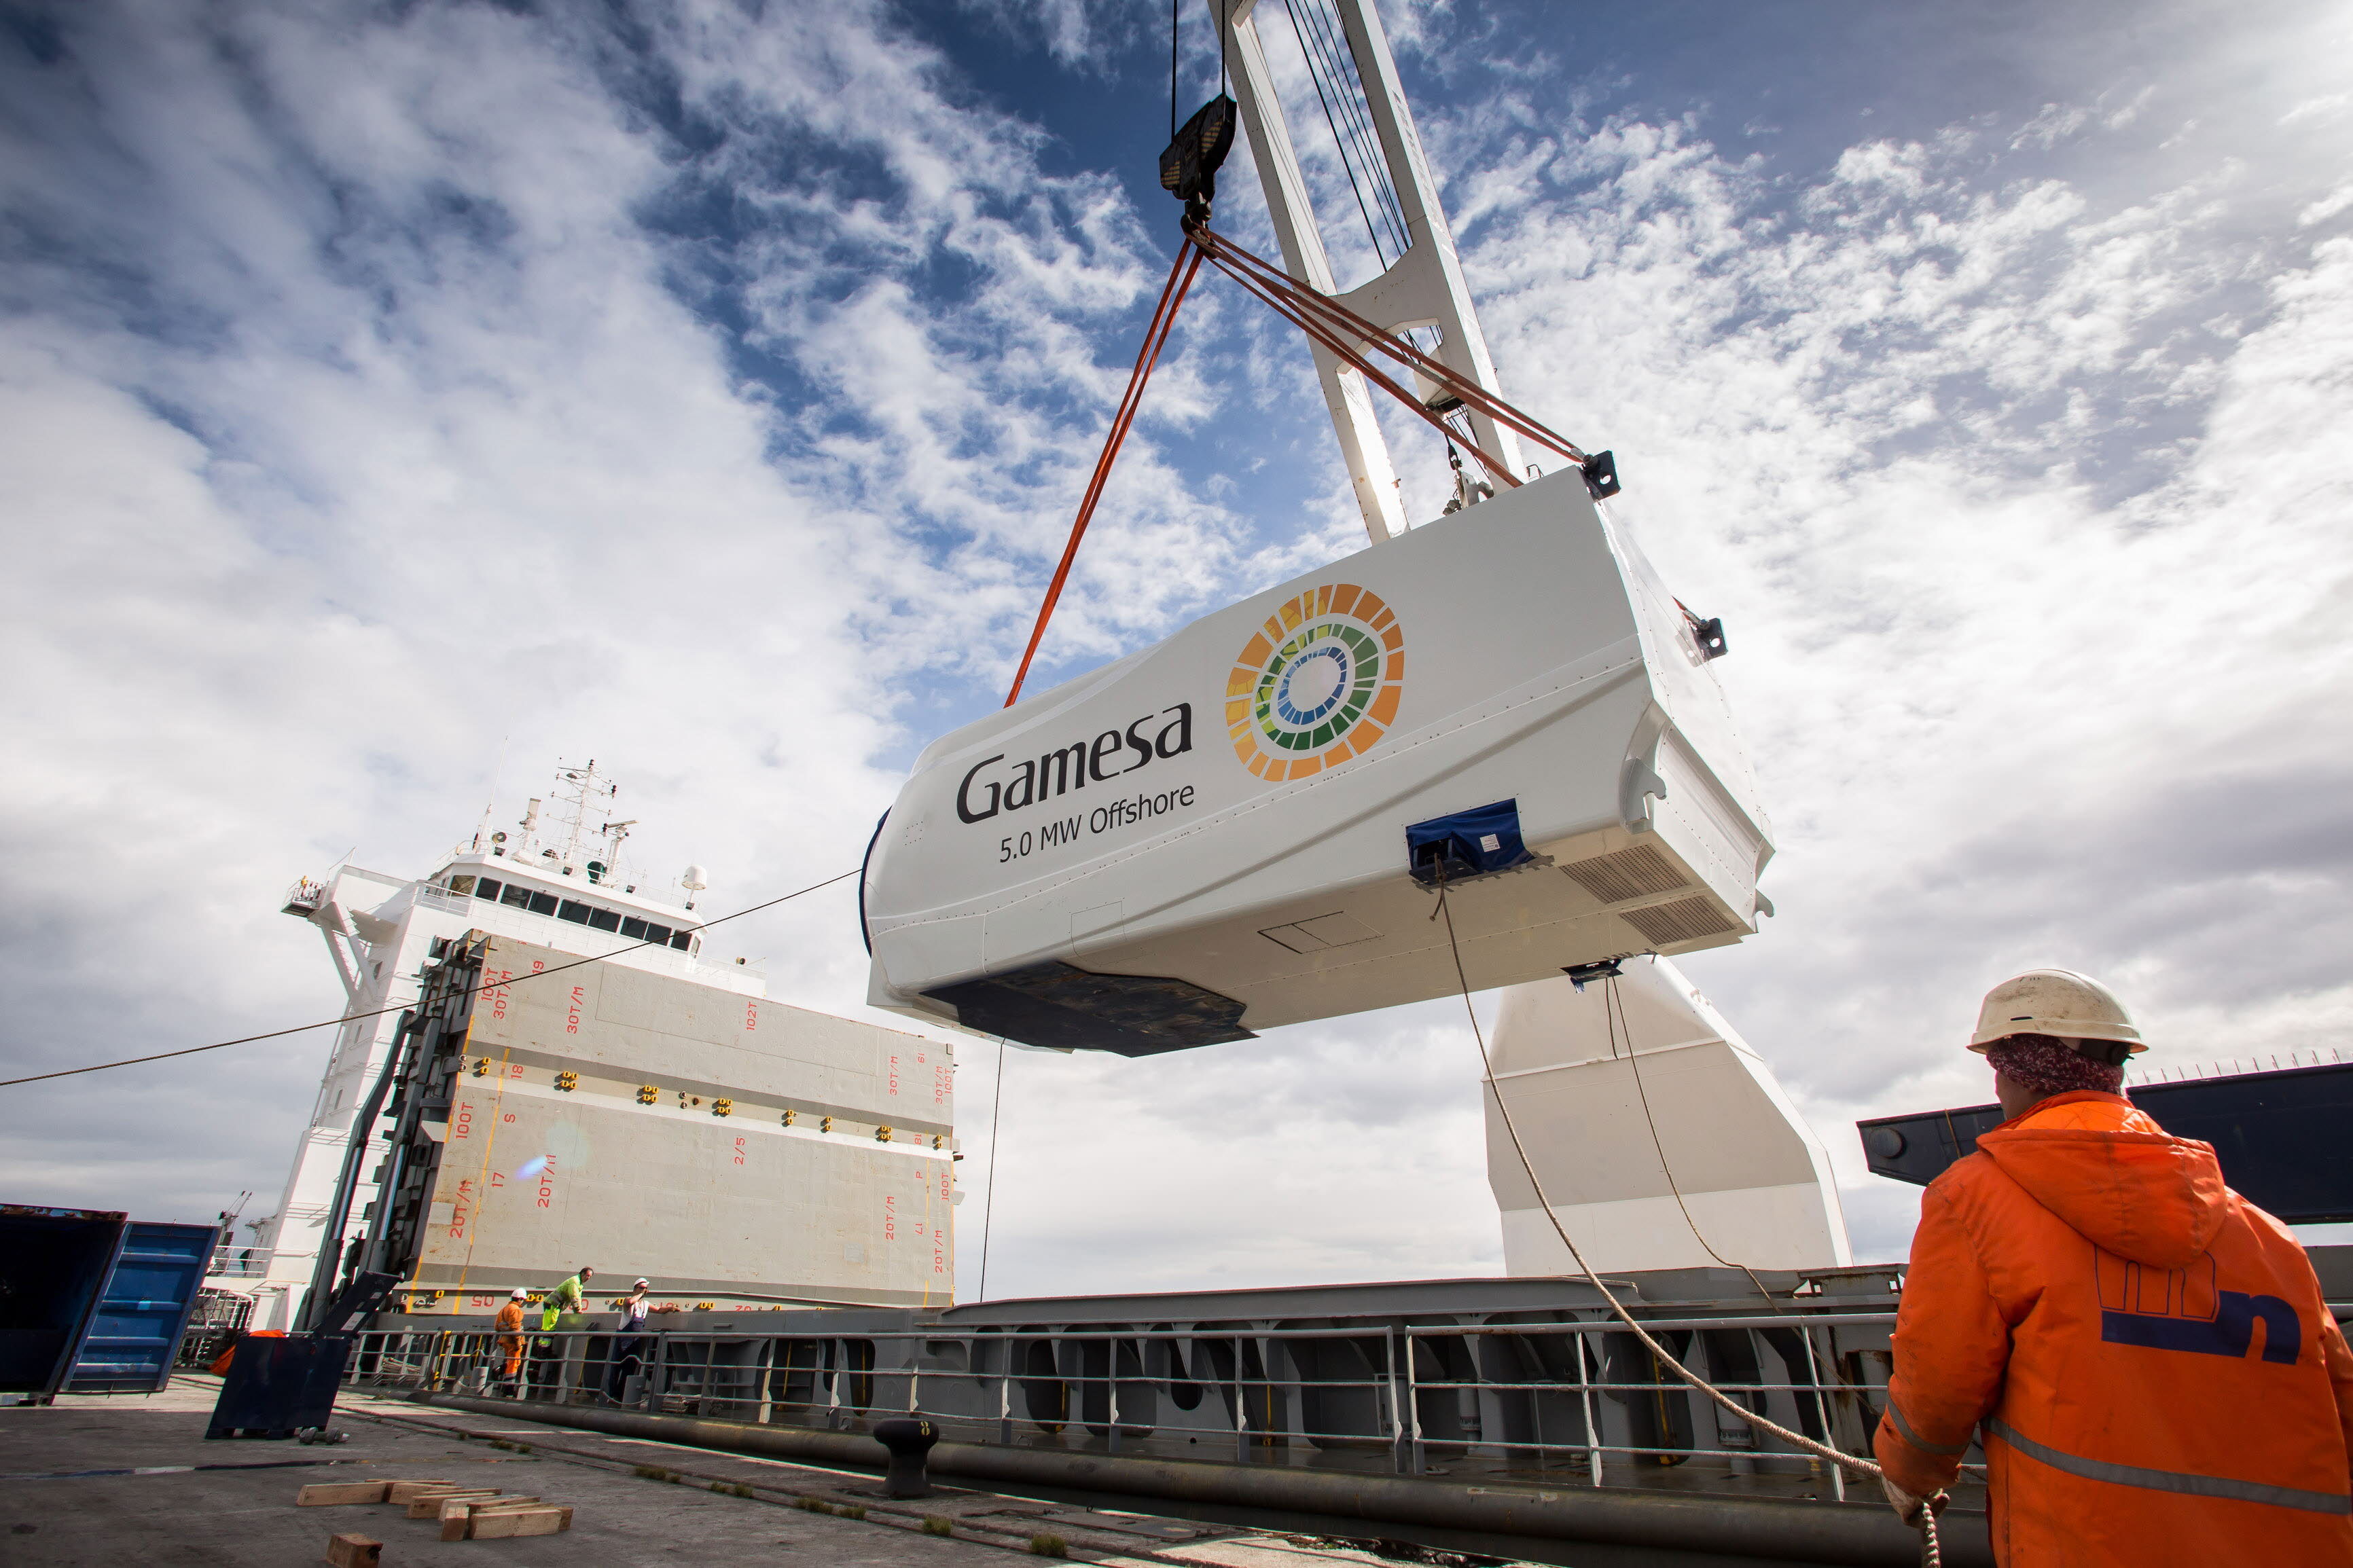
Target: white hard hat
{"points": [[641, 1285], [519, 1294], [2057, 1002]]}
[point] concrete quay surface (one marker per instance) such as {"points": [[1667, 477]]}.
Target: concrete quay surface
{"points": [[132, 1479]]}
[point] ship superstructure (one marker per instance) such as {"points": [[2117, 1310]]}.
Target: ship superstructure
{"points": [[656, 1013]]}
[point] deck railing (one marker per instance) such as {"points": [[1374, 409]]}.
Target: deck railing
{"points": [[1578, 1399]]}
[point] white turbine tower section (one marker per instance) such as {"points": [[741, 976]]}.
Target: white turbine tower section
{"points": [[1755, 1183], [1422, 287]]}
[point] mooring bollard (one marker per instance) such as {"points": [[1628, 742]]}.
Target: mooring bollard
{"points": [[908, 1441]]}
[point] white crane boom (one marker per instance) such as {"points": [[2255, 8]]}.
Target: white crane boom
{"points": [[1422, 288]]}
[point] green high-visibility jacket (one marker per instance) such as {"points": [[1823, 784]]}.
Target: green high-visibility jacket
{"points": [[566, 1298]]}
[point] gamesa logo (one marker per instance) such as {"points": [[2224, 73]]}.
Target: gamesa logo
{"points": [[1318, 684], [1037, 779]]}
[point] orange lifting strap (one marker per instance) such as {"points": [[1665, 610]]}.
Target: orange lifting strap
{"points": [[1329, 323], [1163, 316]]}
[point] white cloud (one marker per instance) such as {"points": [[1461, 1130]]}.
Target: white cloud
{"points": [[364, 432], [383, 391], [2327, 207], [2326, 107], [2004, 719], [2059, 122]]}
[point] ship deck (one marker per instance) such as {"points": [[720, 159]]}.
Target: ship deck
{"points": [[132, 1480]]}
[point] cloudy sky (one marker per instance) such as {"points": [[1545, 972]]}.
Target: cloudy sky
{"points": [[394, 398]]}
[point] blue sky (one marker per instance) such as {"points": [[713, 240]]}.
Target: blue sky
{"points": [[705, 387]]}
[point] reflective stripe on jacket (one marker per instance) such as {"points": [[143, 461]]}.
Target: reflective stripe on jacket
{"points": [[2157, 1377]]}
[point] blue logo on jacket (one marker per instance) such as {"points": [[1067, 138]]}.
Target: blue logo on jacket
{"points": [[2182, 1309]]}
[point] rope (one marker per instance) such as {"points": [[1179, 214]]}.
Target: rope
{"points": [[1931, 1554], [1288, 300], [1163, 317], [988, 1206], [1613, 1013], [1341, 330], [404, 1006], [1339, 319], [1325, 321]]}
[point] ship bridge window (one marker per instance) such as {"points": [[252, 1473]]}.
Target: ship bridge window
{"points": [[578, 913], [461, 885], [522, 897]]}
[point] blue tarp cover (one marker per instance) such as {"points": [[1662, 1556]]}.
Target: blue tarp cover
{"points": [[1466, 844]]}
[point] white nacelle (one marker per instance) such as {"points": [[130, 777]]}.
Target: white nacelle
{"points": [[1210, 837]]}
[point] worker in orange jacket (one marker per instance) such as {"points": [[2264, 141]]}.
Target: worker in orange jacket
{"points": [[2143, 1352], [509, 1324]]}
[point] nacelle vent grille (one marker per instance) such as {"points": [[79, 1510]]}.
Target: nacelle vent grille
{"points": [[1640, 872], [1685, 919]]}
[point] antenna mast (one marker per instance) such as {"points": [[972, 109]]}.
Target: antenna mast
{"points": [[582, 807]]}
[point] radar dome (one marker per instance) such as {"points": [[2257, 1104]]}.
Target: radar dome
{"points": [[695, 879]]}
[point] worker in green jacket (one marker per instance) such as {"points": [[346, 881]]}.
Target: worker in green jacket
{"points": [[547, 1352], [569, 1297]]}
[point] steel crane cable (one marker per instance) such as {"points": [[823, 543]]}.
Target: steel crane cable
{"points": [[404, 1006], [1360, 141], [1181, 273], [1172, 70], [1315, 68], [1931, 1552], [1356, 109], [1330, 52]]}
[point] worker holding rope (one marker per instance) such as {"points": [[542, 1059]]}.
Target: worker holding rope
{"points": [[2145, 1352]]}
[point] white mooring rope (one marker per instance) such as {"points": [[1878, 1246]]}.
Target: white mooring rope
{"points": [[1931, 1555]]}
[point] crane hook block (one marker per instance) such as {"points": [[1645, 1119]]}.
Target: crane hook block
{"points": [[1189, 169]]}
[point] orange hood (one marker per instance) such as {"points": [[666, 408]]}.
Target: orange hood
{"points": [[2115, 1176]]}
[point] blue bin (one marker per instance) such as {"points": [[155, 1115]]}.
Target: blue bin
{"points": [[135, 1332], [53, 1265]]}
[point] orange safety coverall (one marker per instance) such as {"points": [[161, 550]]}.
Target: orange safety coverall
{"points": [[510, 1327], [2145, 1352]]}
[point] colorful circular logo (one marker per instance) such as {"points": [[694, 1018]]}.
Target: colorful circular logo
{"points": [[1318, 684]]}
